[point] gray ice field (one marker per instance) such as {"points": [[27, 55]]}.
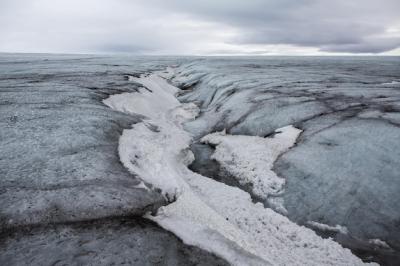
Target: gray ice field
{"points": [[92, 146]]}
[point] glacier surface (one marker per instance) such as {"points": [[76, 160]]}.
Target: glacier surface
{"points": [[209, 214], [64, 187], [344, 167], [65, 197]]}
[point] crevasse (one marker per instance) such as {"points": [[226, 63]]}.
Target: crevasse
{"points": [[203, 212]]}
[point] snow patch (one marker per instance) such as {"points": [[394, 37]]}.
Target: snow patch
{"points": [[153, 102], [393, 82], [325, 227], [379, 243], [142, 185], [250, 159]]}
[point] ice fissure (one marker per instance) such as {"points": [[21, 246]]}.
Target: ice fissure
{"points": [[206, 213]]}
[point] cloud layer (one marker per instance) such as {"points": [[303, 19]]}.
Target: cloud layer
{"points": [[200, 27]]}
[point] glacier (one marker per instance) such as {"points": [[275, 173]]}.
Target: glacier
{"points": [[344, 167], [205, 213], [85, 140], [65, 197]]}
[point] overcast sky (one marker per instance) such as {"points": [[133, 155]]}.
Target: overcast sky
{"points": [[201, 27]]}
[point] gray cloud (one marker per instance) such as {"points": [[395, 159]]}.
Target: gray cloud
{"points": [[357, 26], [185, 27], [369, 45]]}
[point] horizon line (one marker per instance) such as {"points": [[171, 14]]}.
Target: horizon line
{"points": [[201, 55]]}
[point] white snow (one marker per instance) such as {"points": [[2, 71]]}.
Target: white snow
{"points": [[151, 148], [142, 185], [204, 212], [250, 159], [393, 82], [379, 243], [324, 227]]}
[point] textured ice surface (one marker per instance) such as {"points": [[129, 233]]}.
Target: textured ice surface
{"points": [[59, 163], [355, 167], [122, 241], [59, 158], [205, 213], [345, 167]]}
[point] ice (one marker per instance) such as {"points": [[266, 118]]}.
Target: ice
{"points": [[379, 243], [208, 214], [250, 159], [393, 82], [161, 97], [352, 166], [59, 159], [348, 178], [274, 114], [63, 189], [148, 161], [324, 227], [60, 162], [116, 241]]}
